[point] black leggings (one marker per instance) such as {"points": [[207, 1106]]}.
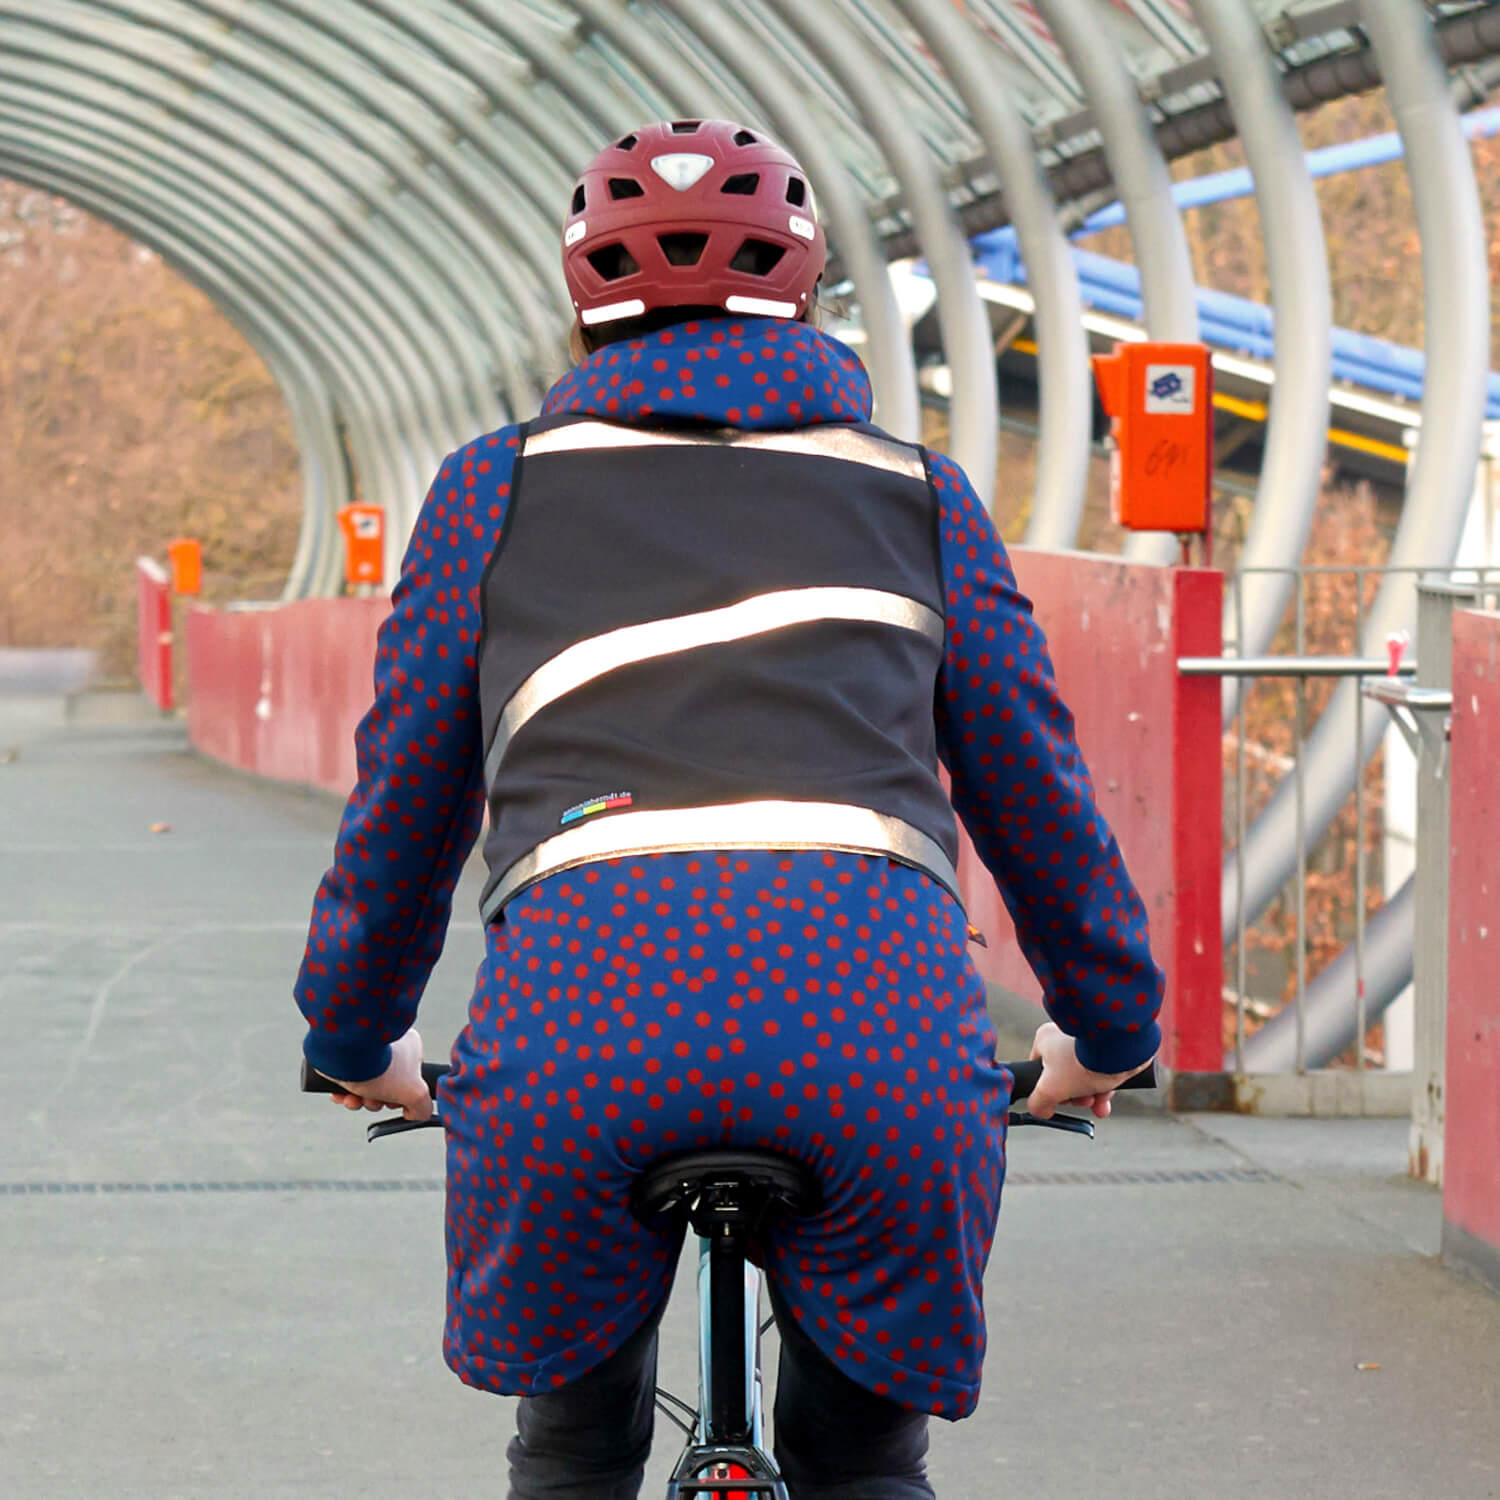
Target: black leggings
{"points": [[834, 1440]]}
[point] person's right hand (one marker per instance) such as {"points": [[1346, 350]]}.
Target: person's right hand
{"points": [[1065, 1080]]}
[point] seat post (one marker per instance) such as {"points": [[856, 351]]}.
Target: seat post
{"points": [[728, 1413], [729, 1196]]}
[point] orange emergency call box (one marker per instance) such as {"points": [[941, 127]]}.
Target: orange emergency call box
{"points": [[1159, 398], [185, 556], [364, 543]]}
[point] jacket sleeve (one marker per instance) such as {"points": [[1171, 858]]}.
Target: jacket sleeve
{"points": [[1024, 794], [381, 912]]}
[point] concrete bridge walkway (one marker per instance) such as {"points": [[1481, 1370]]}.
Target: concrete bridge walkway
{"points": [[213, 1288]]}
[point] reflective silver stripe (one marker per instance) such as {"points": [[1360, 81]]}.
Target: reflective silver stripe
{"points": [[825, 440], [737, 825], [599, 654]]}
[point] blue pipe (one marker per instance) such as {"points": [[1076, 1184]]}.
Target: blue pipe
{"points": [[1237, 323], [1226, 321], [1347, 156]]}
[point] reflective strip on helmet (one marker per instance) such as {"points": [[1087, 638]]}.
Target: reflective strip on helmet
{"points": [[825, 440], [761, 307], [737, 825], [582, 663], [612, 310]]}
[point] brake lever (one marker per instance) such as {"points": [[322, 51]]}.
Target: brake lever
{"points": [[396, 1125], [1073, 1124]]}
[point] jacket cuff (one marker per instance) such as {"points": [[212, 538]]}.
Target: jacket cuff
{"points": [[349, 1059], [1115, 1052]]}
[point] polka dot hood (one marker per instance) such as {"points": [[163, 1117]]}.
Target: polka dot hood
{"points": [[819, 1004], [759, 373]]}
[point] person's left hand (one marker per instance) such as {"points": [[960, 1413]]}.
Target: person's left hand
{"points": [[1065, 1080], [401, 1086]]}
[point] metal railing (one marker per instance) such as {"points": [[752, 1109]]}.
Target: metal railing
{"points": [[1301, 670], [1304, 668]]}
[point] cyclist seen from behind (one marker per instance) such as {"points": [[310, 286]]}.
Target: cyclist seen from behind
{"points": [[700, 637]]}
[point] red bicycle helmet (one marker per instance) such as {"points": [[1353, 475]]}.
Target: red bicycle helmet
{"points": [[692, 213]]}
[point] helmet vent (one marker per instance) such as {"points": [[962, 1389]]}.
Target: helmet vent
{"points": [[580, 202], [685, 127], [744, 183], [625, 143], [757, 257], [682, 249], [796, 191], [613, 262], [743, 138], [625, 187]]}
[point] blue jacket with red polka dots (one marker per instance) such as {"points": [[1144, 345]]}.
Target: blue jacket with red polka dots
{"points": [[817, 1002]]}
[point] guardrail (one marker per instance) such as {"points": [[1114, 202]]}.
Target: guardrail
{"points": [[1301, 670], [1308, 1084]]}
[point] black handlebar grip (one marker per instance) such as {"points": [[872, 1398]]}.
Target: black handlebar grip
{"points": [[1029, 1073], [314, 1082], [1026, 1074]]}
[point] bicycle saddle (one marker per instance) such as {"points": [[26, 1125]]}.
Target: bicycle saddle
{"points": [[727, 1186]]}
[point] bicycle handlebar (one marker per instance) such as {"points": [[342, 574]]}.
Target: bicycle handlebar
{"points": [[1026, 1074], [1029, 1073], [314, 1082]]}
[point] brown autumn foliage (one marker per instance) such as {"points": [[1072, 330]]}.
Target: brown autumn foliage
{"points": [[131, 412]]}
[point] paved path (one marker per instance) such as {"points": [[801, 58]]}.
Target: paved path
{"points": [[212, 1288]]}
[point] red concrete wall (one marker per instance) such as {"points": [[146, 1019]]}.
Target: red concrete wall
{"points": [[1151, 739], [278, 690], [154, 632], [1471, 1132]]}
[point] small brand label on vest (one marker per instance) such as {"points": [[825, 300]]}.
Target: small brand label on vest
{"points": [[609, 802]]}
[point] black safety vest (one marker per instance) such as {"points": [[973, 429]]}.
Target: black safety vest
{"points": [[706, 638]]}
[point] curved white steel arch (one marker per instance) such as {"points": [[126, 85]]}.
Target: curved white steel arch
{"points": [[392, 347], [401, 389], [317, 51], [1139, 168], [282, 66], [1063, 440], [364, 403], [965, 324], [1297, 264], [160, 84]]}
